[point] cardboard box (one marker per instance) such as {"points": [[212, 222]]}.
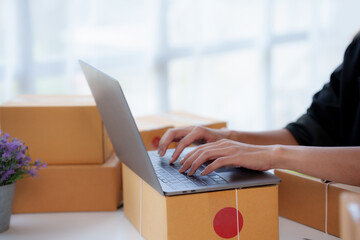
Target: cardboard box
{"points": [[57, 129], [202, 215], [350, 216], [182, 119], [303, 199], [151, 132], [71, 188], [152, 127]]}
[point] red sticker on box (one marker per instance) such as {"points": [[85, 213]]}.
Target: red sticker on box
{"points": [[225, 223], [156, 142]]}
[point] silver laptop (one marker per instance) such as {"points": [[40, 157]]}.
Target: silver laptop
{"points": [[155, 170]]}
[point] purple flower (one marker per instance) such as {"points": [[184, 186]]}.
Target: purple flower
{"points": [[37, 163], [15, 163], [23, 148], [32, 172], [27, 160], [6, 155], [6, 136], [12, 146], [19, 156]]}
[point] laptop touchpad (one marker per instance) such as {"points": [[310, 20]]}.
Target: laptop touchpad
{"points": [[237, 173], [224, 169]]}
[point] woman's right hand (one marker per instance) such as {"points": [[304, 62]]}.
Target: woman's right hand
{"points": [[187, 136]]}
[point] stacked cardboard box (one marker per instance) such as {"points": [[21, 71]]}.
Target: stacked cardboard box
{"points": [[58, 129], [248, 213], [71, 188], [67, 133], [303, 199], [350, 216]]}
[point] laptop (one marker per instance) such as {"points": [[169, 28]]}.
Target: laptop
{"points": [[155, 170]]}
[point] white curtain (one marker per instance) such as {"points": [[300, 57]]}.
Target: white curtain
{"points": [[254, 63]]}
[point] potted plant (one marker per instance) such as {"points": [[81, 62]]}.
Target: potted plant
{"points": [[15, 163]]}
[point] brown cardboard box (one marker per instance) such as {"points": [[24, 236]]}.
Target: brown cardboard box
{"points": [[151, 132], [334, 192], [350, 216], [71, 188], [152, 127], [202, 215], [57, 129], [182, 119], [303, 199]]}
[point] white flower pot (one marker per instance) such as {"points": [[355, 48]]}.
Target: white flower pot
{"points": [[6, 203]]}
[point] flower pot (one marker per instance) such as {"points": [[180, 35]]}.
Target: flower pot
{"points": [[6, 203]]}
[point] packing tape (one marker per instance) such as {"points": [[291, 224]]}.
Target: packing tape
{"points": [[237, 213], [141, 186], [326, 206]]}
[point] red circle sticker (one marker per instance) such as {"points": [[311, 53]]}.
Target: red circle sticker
{"points": [[225, 223], [155, 141]]}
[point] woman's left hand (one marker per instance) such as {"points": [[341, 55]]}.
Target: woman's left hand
{"points": [[226, 152]]}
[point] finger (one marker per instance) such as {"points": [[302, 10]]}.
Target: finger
{"points": [[171, 135], [218, 163], [184, 142], [218, 144], [197, 134], [188, 159], [195, 153], [192, 156], [188, 155], [204, 157]]}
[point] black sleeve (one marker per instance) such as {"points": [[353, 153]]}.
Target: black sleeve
{"points": [[333, 118], [314, 127]]}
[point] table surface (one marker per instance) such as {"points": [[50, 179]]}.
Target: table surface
{"points": [[112, 225]]}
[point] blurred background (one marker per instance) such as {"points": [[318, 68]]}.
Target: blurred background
{"points": [[255, 64]]}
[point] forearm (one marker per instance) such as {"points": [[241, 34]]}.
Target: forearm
{"points": [[339, 164], [281, 136]]}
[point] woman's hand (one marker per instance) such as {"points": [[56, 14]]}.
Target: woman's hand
{"points": [[187, 136], [227, 152]]}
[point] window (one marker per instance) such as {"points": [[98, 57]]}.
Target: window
{"points": [[255, 63]]}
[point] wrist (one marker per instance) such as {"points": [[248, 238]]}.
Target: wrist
{"points": [[277, 153], [226, 133], [234, 135]]}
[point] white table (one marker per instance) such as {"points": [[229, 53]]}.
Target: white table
{"points": [[111, 226]]}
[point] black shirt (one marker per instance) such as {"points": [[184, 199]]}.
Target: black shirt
{"points": [[333, 119]]}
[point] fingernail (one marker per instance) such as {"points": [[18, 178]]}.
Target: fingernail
{"points": [[202, 173]]}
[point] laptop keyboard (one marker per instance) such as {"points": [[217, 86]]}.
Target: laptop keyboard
{"points": [[170, 175]]}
